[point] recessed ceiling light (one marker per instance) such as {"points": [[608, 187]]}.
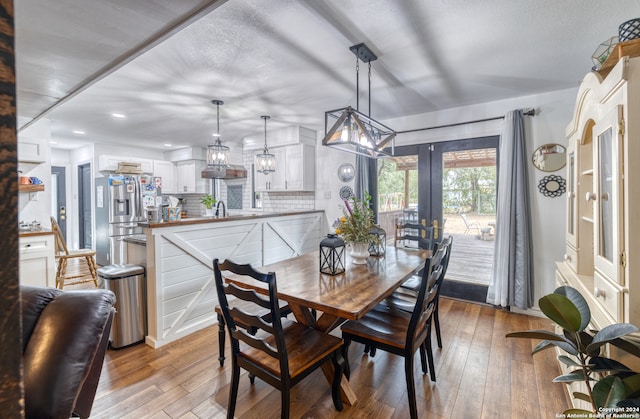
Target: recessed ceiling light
{"points": [[118, 115], [79, 132], [167, 145], [53, 142], [215, 134]]}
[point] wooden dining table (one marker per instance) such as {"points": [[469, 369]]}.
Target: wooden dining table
{"points": [[347, 296]]}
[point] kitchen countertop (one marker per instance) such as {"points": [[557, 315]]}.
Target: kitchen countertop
{"points": [[203, 220], [32, 233]]}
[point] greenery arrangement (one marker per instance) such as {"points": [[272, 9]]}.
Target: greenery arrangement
{"points": [[611, 386], [356, 222], [208, 201]]}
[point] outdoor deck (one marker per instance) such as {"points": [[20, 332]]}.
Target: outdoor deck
{"points": [[471, 258]]}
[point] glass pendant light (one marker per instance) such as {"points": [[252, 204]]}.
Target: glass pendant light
{"points": [[217, 154], [265, 161]]}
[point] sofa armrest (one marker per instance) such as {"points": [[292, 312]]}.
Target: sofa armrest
{"points": [[61, 350]]}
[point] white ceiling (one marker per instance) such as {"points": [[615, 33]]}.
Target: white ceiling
{"points": [[161, 62]]}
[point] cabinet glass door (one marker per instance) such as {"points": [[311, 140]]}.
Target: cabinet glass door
{"points": [[606, 193], [608, 205], [571, 196]]}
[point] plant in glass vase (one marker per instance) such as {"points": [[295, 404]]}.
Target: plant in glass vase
{"points": [[354, 226]]}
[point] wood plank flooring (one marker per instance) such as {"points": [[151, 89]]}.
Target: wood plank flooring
{"points": [[480, 374]]}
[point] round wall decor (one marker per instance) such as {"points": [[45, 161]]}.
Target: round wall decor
{"points": [[346, 193], [552, 186]]}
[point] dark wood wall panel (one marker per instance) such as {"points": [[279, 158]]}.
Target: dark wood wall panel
{"points": [[11, 392]]}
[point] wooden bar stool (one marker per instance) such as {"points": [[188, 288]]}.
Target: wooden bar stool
{"points": [[63, 254]]}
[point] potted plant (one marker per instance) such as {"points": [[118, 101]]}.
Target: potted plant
{"points": [[611, 386], [355, 227], [208, 201]]}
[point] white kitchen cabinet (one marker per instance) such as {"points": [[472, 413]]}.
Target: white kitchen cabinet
{"points": [[32, 150], [262, 181], [295, 170], [107, 163], [37, 260], [189, 179], [168, 172]]}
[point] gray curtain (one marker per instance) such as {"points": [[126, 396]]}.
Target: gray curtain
{"points": [[362, 176], [513, 261]]}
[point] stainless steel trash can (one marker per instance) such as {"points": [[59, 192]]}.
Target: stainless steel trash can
{"points": [[128, 284]]}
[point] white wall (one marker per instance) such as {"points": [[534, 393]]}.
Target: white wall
{"points": [[36, 205], [553, 113]]}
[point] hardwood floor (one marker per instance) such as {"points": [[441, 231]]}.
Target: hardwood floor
{"points": [[480, 374]]}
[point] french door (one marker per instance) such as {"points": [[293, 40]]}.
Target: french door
{"points": [[451, 186]]}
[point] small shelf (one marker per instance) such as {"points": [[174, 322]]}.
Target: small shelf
{"points": [[587, 219], [31, 188], [587, 172]]}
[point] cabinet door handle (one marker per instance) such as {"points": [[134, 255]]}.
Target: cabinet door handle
{"points": [[285, 184], [27, 245], [567, 258], [590, 196], [598, 292]]}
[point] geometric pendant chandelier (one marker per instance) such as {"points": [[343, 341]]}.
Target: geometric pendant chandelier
{"points": [[350, 130], [217, 154]]}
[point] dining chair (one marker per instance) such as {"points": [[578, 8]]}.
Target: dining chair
{"points": [[265, 314], [405, 296], [63, 254], [282, 352], [400, 332], [416, 234]]}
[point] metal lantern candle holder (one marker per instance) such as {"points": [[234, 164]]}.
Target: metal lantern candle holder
{"points": [[332, 255], [378, 243]]}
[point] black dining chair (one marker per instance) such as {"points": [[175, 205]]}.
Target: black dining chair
{"points": [[400, 332], [282, 352], [265, 314], [404, 297]]}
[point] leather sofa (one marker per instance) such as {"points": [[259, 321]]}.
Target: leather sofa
{"points": [[65, 335]]}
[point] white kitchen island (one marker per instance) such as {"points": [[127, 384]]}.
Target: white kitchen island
{"points": [[181, 294]]}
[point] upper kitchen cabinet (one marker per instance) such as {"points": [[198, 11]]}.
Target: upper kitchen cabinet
{"points": [[295, 170], [32, 150], [189, 179], [168, 172], [108, 163]]}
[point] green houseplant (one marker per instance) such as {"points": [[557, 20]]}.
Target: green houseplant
{"points": [[611, 386], [208, 201]]}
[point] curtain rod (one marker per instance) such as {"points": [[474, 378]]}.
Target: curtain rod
{"points": [[530, 112]]}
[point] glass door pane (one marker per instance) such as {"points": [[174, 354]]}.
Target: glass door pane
{"points": [[397, 191], [605, 189], [469, 186]]}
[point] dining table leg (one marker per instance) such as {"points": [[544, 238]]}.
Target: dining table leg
{"points": [[325, 323]]}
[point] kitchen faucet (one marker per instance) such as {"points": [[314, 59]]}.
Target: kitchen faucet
{"points": [[224, 209]]}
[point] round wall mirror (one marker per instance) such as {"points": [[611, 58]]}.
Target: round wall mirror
{"points": [[346, 172], [550, 157]]}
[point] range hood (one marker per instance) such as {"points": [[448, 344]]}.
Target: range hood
{"points": [[232, 171]]}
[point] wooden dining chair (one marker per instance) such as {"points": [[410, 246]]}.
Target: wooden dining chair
{"points": [[282, 352], [400, 332], [264, 313], [404, 298], [413, 235], [63, 255]]}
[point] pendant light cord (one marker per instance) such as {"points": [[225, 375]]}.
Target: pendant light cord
{"points": [[357, 83], [369, 89]]}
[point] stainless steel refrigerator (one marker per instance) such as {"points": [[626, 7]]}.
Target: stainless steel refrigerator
{"points": [[121, 202]]}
